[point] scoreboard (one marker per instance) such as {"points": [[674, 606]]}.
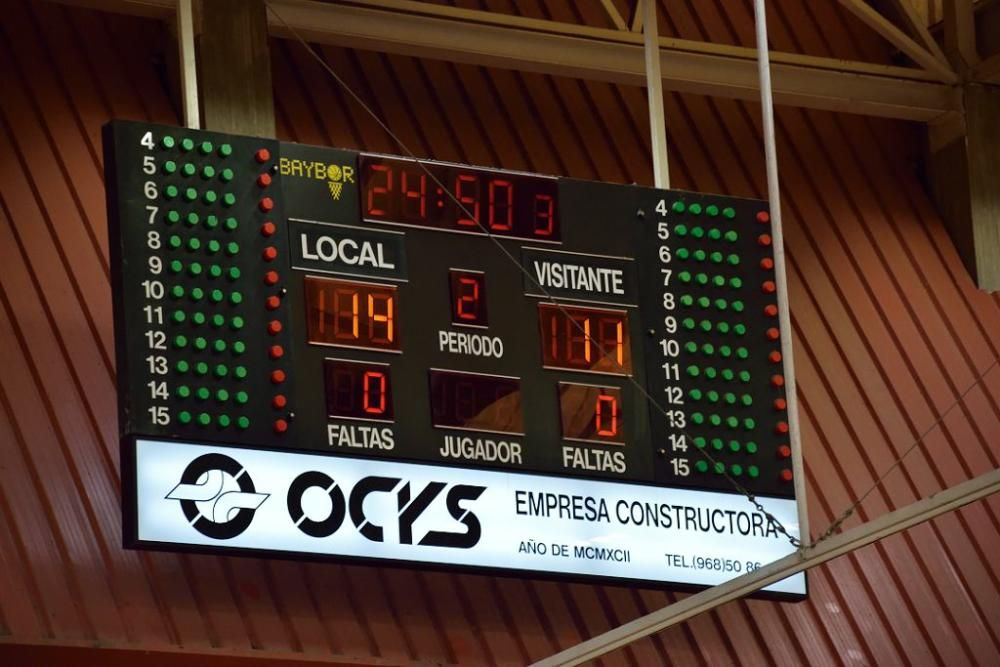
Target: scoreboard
{"points": [[331, 353]]}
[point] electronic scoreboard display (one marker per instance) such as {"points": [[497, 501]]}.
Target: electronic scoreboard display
{"points": [[331, 353]]}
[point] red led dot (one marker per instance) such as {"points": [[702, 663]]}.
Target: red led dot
{"points": [[778, 380], [262, 155], [774, 357], [780, 404], [271, 278], [769, 287], [781, 428], [274, 327], [266, 204], [767, 263], [277, 376], [764, 240], [773, 334], [786, 475], [763, 217], [771, 310], [277, 352], [784, 452], [272, 303], [270, 253], [280, 426], [268, 229], [279, 401], [264, 180]]}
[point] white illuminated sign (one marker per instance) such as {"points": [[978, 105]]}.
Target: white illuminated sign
{"points": [[228, 497]]}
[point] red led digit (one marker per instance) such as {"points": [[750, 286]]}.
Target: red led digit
{"points": [[376, 190], [377, 388], [418, 196], [614, 343], [545, 214], [345, 297], [606, 416], [467, 304], [380, 317], [578, 340], [467, 193], [501, 213]]}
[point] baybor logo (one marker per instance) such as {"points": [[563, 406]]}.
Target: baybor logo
{"points": [[217, 496]]}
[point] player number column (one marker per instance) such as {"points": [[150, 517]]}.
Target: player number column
{"points": [[670, 348], [153, 292]]}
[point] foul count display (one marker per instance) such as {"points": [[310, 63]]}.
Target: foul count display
{"points": [[348, 322]]}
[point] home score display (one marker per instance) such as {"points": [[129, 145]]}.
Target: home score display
{"points": [[339, 354]]}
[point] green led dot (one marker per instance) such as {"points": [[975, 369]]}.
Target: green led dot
{"points": [[204, 419], [177, 291], [712, 396], [203, 393], [229, 199], [744, 376], [705, 325], [739, 329], [173, 217], [688, 323], [200, 344], [197, 294], [698, 418], [201, 368], [687, 300], [216, 295], [221, 371], [719, 467], [683, 253], [169, 167], [179, 316], [742, 353], [182, 366], [719, 281], [236, 298], [704, 301], [693, 371], [716, 257], [715, 234], [241, 397], [699, 255], [694, 209], [213, 247], [198, 318], [732, 422], [710, 373], [207, 172], [681, 230], [695, 394], [194, 269], [194, 244], [175, 241], [729, 212], [731, 236], [219, 345], [699, 442], [222, 395], [225, 150], [691, 346], [734, 445], [232, 224], [746, 399], [729, 398], [749, 424], [206, 147], [184, 417], [218, 320], [735, 282], [697, 232], [190, 194], [215, 271], [210, 197], [722, 327], [717, 444], [243, 422], [211, 221], [678, 207], [701, 466], [226, 175], [725, 351], [187, 144], [753, 471], [192, 219], [733, 260], [237, 323], [715, 420], [189, 169], [702, 279], [738, 306], [751, 447], [180, 342], [223, 421], [712, 210], [171, 191], [736, 469], [239, 347], [708, 349], [167, 141], [176, 266], [232, 248], [183, 391], [240, 372], [684, 276], [720, 304], [727, 374]]}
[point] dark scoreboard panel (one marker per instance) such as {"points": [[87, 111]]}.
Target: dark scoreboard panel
{"points": [[294, 297]]}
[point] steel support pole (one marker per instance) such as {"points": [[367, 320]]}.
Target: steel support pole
{"points": [[189, 72], [838, 545], [654, 91]]}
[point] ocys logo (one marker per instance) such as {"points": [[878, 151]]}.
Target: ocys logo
{"points": [[217, 496]]}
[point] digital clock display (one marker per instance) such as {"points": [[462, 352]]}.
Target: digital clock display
{"points": [[352, 314], [504, 203]]}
